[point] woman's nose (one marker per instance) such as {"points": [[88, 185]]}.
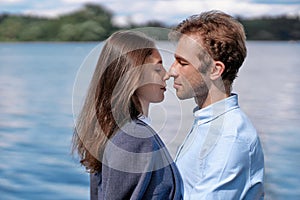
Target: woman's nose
{"points": [[166, 76]]}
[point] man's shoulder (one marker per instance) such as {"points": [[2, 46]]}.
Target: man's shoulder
{"points": [[238, 123]]}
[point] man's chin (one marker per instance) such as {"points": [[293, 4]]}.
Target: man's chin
{"points": [[182, 96]]}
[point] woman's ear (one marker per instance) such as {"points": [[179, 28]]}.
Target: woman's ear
{"points": [[217, 70]]}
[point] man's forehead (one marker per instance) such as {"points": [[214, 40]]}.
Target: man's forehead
{"points": [[189, 47]]}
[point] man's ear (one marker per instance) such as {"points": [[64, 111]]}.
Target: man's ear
{"points": [[217, 70]]}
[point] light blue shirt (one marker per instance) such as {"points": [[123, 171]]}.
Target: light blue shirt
{"points": [[221, 158]]}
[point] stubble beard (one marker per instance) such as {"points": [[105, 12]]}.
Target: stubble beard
{"points": [[201, 94]]}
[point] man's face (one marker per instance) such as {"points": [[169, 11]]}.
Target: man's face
{"points": [[190, 72]]}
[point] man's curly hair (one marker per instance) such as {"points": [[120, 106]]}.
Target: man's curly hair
{"points": [[222, 36]]}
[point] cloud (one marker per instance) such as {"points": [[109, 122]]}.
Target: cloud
{"points": [[10, 1], [50, 13], [276, 1], [82, 1], [167, 11], [174, 11]]}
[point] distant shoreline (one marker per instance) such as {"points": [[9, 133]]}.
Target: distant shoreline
{"points": [[94, 23]]}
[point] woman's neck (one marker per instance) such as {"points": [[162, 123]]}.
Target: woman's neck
{"points": [[145, 107]]}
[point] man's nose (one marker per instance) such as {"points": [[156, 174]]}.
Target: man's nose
{"points": [[172, 71]]}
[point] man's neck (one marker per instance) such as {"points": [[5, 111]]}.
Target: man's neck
{"points": [[212, 97]]}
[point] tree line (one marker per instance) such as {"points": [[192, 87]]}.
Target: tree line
{"points": [[94, 23]]}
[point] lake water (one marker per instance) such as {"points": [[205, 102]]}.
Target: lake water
{"points": [[36, 120]]}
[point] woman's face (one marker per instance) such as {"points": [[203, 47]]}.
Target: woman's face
{"points": [[153, 85]]}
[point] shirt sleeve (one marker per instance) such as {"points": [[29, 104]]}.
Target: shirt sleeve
{"points": [[94, 182], [256, 190]]}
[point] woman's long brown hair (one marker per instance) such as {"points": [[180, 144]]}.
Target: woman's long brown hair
{"points": [[111, 100]]}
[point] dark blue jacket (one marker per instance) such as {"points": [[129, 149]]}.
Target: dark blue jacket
{"points": [[136, 165]]}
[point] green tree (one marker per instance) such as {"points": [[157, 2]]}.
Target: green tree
{"points": [[91, 23], [10, 28]]}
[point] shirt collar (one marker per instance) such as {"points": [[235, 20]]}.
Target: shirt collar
{"points": [[214, 110], [145, 119]]}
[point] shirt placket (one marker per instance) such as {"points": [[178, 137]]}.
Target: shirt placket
{"points": [[185, 140]]}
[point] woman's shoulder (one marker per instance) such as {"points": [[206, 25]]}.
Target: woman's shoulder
{"points": [[136, 136], [134, 147]]}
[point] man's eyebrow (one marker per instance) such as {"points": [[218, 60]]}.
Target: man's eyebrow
{"points": [[177, 57]]}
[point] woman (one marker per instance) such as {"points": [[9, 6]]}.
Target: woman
{"points": [[125, 156]]}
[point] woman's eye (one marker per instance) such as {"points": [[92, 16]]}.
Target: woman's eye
{"points": [[158, 69]]}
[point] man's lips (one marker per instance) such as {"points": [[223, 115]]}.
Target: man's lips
{"points": [[176, 85]]}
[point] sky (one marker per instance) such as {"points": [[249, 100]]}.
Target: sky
{"points": [[166, 11]]}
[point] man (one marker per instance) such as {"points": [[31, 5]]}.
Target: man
{"points": [[221, 157]]}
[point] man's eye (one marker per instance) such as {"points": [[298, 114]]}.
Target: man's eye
{"points": [[183, 63]]}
